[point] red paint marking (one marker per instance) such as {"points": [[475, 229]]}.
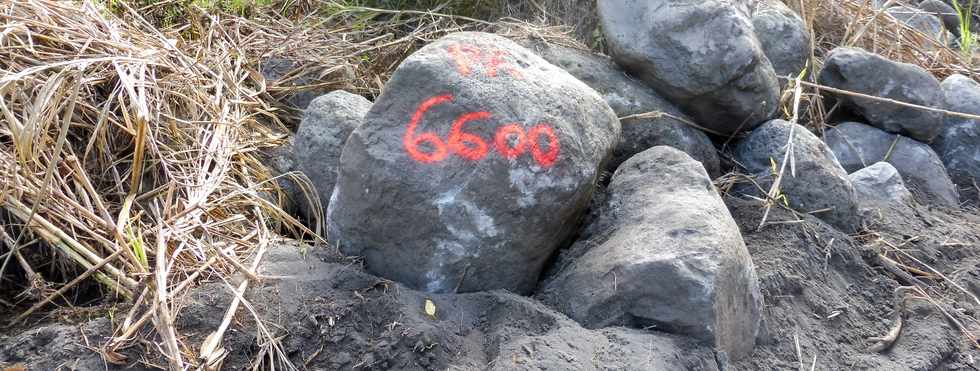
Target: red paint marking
{"points": [[510, 140], [504, 135], [411, 141], [497, 61], [468, 146], [545, 159], [465, 56]]}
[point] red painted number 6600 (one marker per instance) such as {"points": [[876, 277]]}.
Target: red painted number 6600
{"points": [[510, 140]]}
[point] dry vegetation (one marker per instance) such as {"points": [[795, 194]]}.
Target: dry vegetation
{"points": [[130, 145]]}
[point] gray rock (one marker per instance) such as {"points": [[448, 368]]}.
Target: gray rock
{"points": [[476, 162], [665, 252], [820, 183], [880, 182], [327, 123], [958, 143], [628, 97], [945, 12], [289, 73], [923, 21], [725, 82], [784, 37], [281, 161], [856, 70], [858, 145]]}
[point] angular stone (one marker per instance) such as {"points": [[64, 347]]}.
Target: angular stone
{"points": [[858, 71], [784, 37], [665, 252], [724, 82], [628, 97], [880, 182], [857, 146], [820, 183], [958, 144], [327, 123], [474, 165]]}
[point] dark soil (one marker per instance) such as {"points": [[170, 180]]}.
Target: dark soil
{"points": [[825, 294]]}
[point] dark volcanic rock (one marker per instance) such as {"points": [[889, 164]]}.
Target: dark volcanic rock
{"points": [[327, 123], [945, 12], [926, 22], [474, 165], [862, 72], [958, 143], [784, 37], [702, 55], [665, 252], [820, 183], [858, 145], [880, 182], [628, 97]]}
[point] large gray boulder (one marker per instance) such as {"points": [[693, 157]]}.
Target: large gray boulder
{"points": [[784, 37], [819, 184], [628, 97], [918, 19], [858, 71], [702, 55], [958, 143], [664, 253], [327, 123], [880, 182], [473, 166], [858, 145]]}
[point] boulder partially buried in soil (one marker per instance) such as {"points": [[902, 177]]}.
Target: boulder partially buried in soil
{"points": [[784, 37], [327, 123], [880, 182], [918, 19], [866, 73], [473, 166], [958, 143], [819, 185], [665, 254], [857, 146], [659, 122], [945, 12], [702, 55]]}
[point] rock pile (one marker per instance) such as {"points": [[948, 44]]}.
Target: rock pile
{"points": [[482, 158]]}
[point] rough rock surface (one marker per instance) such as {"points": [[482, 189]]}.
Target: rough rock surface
{"points": [[626, 97], [725, 83], [880, 182], [926, 22], [857, 145], [784, 37], [862, 72], [327, 123], [820, 183], [665, 253], [282, 161], [945, 12], [958, 143], [488, 155]]}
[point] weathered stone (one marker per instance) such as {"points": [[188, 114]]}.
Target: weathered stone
{"points": [[281, 161], [920, 20], [784, 37], [945, 12], [628, 97], [725, 82], [858, 145], [473, 166], [819, 184], [665, 252], [866, 73], [327, 123], [958, 143], [880, 182]]}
